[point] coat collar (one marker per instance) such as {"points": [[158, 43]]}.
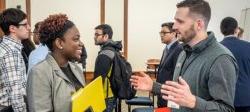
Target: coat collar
{"points": [[231, 37], [60, 73], [201, 45]]}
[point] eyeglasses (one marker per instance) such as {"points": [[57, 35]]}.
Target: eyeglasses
{"points": [[96, 34], [164, 33], [23, 24]]}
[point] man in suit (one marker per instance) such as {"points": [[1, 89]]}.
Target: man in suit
{"points": [[169, 57], [240, 50]]}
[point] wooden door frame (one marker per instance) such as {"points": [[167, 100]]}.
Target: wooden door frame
{"points": [[125, 22], [28, 11], [2, 7], [102, 10]]}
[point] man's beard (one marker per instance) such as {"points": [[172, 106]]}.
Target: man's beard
{"points": [[189, 35], [99, 43]]}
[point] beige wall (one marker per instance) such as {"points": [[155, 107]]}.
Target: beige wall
{"points": [[14, 3], [223, 8], [245, 23], [146, 16], [114, 16], [144, 22]]}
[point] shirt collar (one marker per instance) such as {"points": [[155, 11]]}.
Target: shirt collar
{"points": [[12, 42], [229, 36], [171, 43], [201, 45]]}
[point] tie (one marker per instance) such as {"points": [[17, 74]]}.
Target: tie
{"points": [[165, 52]]}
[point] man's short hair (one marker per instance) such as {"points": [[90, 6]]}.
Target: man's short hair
{"points": [[9, 17], [197, 8], [106, 29], [169, 25], [228, 26]]}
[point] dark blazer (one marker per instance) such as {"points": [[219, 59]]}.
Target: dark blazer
{"points": [[166, 68], [240, 50]]}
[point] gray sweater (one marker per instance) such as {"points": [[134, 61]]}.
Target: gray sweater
{"points": [[210, 70]]}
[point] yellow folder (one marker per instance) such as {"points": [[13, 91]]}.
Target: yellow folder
{"points": [[90, 98]]}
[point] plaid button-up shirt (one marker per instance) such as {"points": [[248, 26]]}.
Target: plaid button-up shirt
{"points": [[13, 77]]}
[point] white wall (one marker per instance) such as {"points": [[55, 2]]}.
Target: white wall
{"points": [[222, 9], [247, 3], [14, 3], [144, 22], [114, 16], [146, 16]]}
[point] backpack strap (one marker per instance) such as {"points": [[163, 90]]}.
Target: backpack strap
{"points": [[110, 52], [107, 52], [107, 80]]}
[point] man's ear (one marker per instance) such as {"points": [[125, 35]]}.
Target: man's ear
{"points": [[106, 37], [200, 24], [12, 28], [59, 43]]}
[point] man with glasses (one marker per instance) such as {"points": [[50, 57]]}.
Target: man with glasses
{"points": [[103, 38], [13, 76], [169, 57]]}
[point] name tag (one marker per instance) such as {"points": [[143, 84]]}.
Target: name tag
{"points": [[173, 104]]}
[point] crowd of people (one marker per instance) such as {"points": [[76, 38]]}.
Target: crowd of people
{"points": [[196, 72]]}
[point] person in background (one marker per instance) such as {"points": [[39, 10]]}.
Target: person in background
{"points": [[240, 32], [40, 52], [83, 57], [13, 76], [169, 57], [240, 50], [52, 81], [28, 47], [35, 33], [104, 60], [205, 73], [83, 60]]}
